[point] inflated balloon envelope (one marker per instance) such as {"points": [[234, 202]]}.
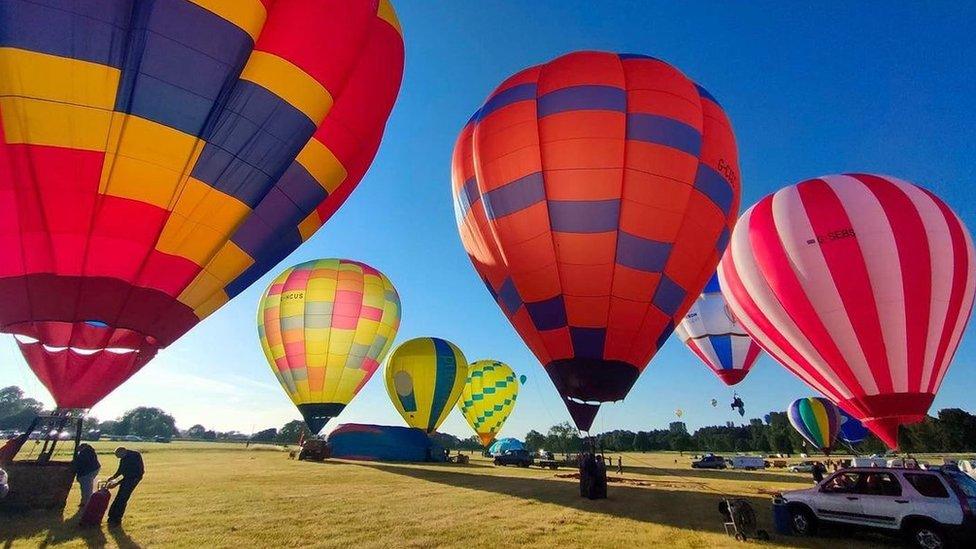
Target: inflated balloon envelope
{"points": [[859, 284], [594, 195], [156, 158]]}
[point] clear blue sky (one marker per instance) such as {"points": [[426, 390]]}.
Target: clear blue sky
{"points": [[888, 88]]}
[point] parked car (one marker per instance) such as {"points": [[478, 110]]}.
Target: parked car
{"points": [[520, 457], [802, 467], [931, 508], [709, 461], [132, 438]]}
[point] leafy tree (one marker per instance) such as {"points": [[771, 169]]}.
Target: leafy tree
{"points": [[147, 422], [267, 435], [563, 438], [535, 441], [292, 431], [17, 411], [196, 431]]}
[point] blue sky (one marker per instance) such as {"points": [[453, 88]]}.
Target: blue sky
{"points": [[885, 87]]}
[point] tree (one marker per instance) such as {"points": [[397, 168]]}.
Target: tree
{"points": [[563, 438], [196, 431], [17, 411], [535, 441], [147, 422], [267, 435], [292, 431]]}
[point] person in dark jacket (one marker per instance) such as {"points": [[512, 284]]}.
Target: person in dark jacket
{"points": [[818, 472], [86, 467], [129, 474]]}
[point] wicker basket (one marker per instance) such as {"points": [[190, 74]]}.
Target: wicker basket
{"points": [[37, 485]]}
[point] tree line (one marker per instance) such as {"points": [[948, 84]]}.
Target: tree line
{"points": [[950, 430]]}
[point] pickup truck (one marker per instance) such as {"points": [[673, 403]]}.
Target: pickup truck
{"points": [[521, 458]]}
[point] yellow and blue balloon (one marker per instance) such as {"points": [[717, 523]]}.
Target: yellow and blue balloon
{"points": [[424, 378], [488, 397]]}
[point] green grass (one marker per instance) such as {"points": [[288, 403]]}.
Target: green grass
{"points": [[223, 495]]}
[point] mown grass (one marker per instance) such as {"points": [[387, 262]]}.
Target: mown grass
{"points": [[223, 495]]}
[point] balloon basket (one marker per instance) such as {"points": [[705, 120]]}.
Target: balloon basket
{"points": [[40, 482]]}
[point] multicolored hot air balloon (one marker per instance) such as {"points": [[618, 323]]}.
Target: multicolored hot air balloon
{"points": [[594, 195], [424, 378], [325, 327], [488, 397], [859, 284], [711, 332], [817, 420], [156, 158]]}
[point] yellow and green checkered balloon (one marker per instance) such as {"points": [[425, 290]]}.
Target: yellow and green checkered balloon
{"points": [[488, 397]]}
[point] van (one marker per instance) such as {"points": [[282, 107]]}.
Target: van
{"points": [[749, 463], [869, 462]]}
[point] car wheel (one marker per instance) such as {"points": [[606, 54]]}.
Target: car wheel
{"points": [[803, 521], [927, 536]]}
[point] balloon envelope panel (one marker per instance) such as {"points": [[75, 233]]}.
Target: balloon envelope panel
{"points": [[488, 397], [325, 327], [424, 378], [859, 284], [594, 195], [156, 158], [713, 334]]}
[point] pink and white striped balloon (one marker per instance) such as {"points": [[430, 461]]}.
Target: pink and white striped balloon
{"points": [[859, 284]]}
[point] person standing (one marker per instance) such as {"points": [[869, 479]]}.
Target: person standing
{"points": [[620, 465], [129, 474], [86, 467], [818, 472]]}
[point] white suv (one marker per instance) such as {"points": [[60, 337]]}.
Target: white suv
{"points": [[933, 508]]}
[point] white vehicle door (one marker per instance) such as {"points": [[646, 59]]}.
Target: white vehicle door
{"points": [[837, 500], [883, 500]]}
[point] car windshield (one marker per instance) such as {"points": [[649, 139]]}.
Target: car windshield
{"points": [[965, 482]]}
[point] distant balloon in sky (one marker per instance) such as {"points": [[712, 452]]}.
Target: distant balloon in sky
{"points": [[679, 412], [714, 402], [325, 327], [156, 158], [817, 420], [712, 332], [488, 397], [594, 195], [424, 378], [859, 284]]}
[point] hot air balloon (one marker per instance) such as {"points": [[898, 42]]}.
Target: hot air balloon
{"points": [[860, 285], [488, 397], [594, 195], [325, 327], [156, 158], [711, 332], [714, 402], [817, 420], [852, 431], [424, 378], [679, 412]]}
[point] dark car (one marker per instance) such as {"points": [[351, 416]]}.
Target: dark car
{"points": [[522, 458], [709, 461]]}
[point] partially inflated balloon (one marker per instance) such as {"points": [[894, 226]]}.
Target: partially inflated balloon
{"points": [[594, 195], [325, 327], [156, 158], [859, 284], [817, 420], [488, 397], [424, 378], [852, 431], [711, 332]]}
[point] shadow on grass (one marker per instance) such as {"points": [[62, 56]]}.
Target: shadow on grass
{"points": [[57, 530], [676, 508]]}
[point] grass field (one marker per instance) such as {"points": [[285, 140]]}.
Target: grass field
{"points": [[223, 495]]}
